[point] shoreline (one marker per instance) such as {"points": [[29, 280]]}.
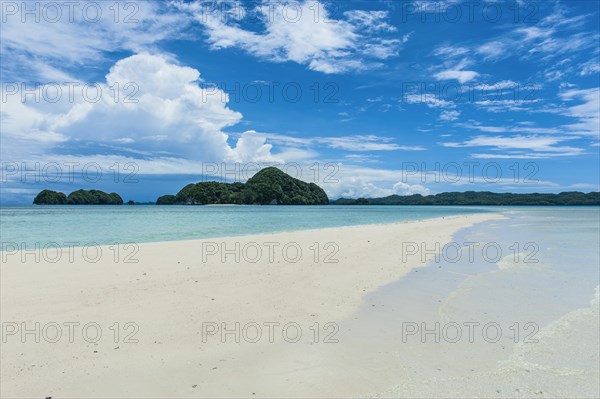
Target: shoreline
{"points": [[260, 234], [323, 229], [175, 297]]}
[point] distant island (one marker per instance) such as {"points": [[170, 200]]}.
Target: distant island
{"points": [[79, 197], [270, 186], [480, 198]]}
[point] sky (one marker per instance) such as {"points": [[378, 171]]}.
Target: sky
{"points": [[364, 98]]}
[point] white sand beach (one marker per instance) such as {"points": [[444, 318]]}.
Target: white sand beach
{"points": [[180, 296]]}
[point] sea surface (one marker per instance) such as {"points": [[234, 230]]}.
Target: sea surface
{"points": [[105, 225], [525, 305]]}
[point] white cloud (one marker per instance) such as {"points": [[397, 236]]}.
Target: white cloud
{"points": [[457, 72], [429, 99], [450, 51], [408, 189], [449, 115], [39, 49], [365, 143], [460, 75], [533, 32], [504, 84], [587, 112], [310, 37], [507, 105], [589, 68], [556, 35], [492, 50], [520, 146], [372, 21], [356, 143], [170, 115], [406, 37], [526, 128], [361, 187], [362, 158]]}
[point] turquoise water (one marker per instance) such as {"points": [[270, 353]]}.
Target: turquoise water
{"points": [[63, 225]]}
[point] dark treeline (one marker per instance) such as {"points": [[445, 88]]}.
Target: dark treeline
{"points": [[480, 198], [79, 197]]}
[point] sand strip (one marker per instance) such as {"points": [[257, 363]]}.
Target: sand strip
{"points": [[176, 297]]}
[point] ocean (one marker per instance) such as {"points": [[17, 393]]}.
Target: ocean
{"points": [[513, 297], [29, 226]]}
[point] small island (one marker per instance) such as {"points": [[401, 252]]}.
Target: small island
{"points": [[270, 186], [79, 197]]}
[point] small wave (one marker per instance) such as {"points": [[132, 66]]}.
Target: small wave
{"points": [[595, 302], [568, 344], [514, 261]]}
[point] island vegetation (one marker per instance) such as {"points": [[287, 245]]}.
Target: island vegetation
{"points": [[166, 200], [480, 198], [270, 186], [79, 197]]}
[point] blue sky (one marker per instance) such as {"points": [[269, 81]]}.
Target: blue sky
{"points": [[365, 98]]}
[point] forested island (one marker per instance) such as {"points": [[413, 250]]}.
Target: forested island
{"points": [[480, 198], [270, 186], [79, 197]]}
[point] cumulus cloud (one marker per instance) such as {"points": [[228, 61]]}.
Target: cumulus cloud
{"points": [[252, 147], [364, 189], [402, 188], [146, 99]]}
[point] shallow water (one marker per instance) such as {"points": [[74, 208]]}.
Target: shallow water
{"points": [[533, 306], [43, 225]]}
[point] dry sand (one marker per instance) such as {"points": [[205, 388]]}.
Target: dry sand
{"points": [[171, 294]]}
